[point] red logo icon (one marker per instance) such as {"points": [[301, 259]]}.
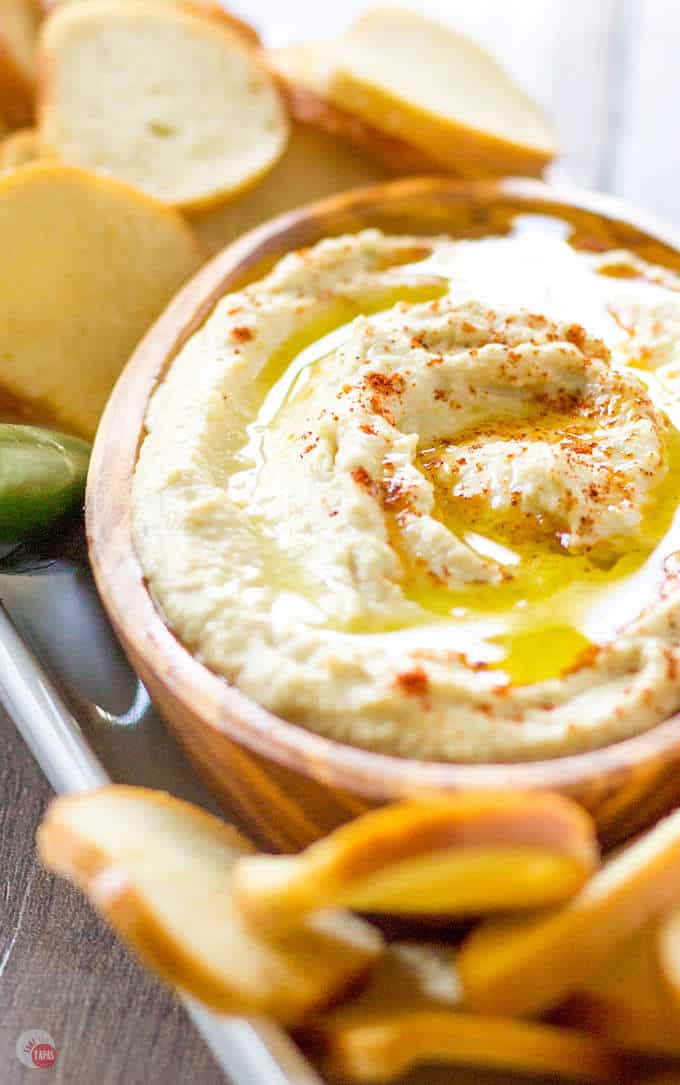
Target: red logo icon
{"points": [[44, 1055], [36, 1049]]}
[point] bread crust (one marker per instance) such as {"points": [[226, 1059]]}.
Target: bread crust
{"points": [[399, 158], [42, 368], [321, 89], [196, 7], [232, 32], [458, 146], [389, 860], [17, 87], [287, 980], [20, 148]]}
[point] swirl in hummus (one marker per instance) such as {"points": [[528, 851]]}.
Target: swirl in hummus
{"points": [[419, 495]]}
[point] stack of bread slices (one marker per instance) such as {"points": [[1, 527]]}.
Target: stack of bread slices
{"points": [[170, 114]]}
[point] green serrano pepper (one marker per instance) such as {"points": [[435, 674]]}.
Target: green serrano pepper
{"points": [[42, 478]]}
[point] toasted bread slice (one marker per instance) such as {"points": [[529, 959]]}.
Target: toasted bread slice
{"points": [[210, 8], [160, 871], [435, 89], [301, 75], [409, 1014], [627, 1002], [86, 264], [525, 966], [621, 1024], [312, 166], [463, 855], [21, 147], [633, 977], [668, 955], [18, 37], [164, 99]]}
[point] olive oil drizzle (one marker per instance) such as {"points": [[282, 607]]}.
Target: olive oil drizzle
{"points": [[532, 623], [287, 368], [544, 579], [336, 320]]}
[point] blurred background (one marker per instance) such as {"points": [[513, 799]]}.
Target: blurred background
{"points": [[607, 73]]}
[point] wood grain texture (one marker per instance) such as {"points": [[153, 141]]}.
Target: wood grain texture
{"points": [[289, 784], [62, 970]]}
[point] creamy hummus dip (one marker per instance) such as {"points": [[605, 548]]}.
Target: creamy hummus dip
{"points": [[419, 495]]}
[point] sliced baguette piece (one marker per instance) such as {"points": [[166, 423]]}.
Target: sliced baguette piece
{"points": [[160, 97], [464, 855], [18, 37], [423, 82], [668, 955], [385, 1046], [86, 264], [528, 965], [210, 8], [159, 870], [621, 1024], [300, 72], [633, 977], [20, 148], [312, 166], [627, 1002], [409, 1014]]}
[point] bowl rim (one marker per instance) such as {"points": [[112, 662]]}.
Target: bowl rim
{"points": [[154, 647]]}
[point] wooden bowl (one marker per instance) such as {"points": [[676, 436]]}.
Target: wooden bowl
{"points": [[286, 783]]}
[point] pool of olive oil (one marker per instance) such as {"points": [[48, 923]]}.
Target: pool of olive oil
{"points": [[544, 616]]}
